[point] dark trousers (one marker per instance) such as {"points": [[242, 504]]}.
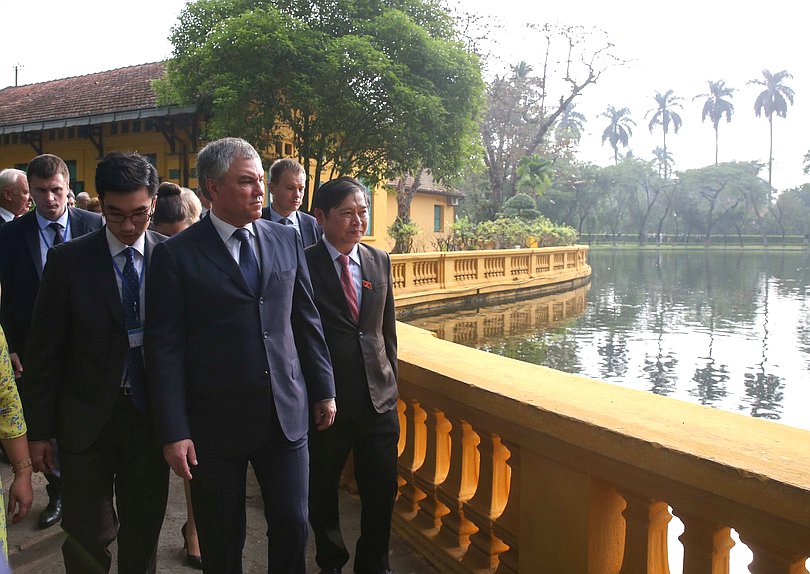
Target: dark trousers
{"points": [[125, 464], [372, 439], [218, 498]]}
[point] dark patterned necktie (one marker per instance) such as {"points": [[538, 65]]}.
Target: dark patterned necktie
{"points": [[131, 299], [57, 233], [247, 261]]}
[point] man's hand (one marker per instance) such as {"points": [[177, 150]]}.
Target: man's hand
{"points": [[181, 456], [16, 365], [324, 413], [41, 456]]}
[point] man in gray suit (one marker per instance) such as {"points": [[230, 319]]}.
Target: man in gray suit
{"points": [[236, 360]]}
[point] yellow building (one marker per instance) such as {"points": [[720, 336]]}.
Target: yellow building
{"points": [[82, 118]]}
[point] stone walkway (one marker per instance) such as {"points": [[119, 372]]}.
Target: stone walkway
{"points": [[39, 551]]}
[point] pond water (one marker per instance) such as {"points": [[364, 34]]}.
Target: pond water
{"points": [[727, 329]]}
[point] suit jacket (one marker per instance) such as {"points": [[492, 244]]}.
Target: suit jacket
{"points": [[364, 355], [311, 232], [78, 344], [221, 360], [21, 271]]}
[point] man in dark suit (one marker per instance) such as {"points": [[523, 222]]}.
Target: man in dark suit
{"points": [[15, 200], [287, 181], [85, 380], [24, 245], [235, 356], [354, 294]]}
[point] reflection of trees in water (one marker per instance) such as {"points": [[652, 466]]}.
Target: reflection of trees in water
{"points": [[660, 370], [764, 394], [710, 380], [764, 390]]}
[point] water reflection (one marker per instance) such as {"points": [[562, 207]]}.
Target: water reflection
{"points": [[725, 329]]}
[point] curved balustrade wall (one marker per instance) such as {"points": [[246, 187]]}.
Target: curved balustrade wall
{"points": [[463, 278], [510, 467]]}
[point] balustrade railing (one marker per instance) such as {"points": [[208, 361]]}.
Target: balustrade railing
{"points": [[509, 467], [418, 273]]}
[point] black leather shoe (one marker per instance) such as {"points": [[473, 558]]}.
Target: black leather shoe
{"points": [[52, 513]]}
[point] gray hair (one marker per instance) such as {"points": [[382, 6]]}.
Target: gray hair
{"points": [[10, 176], [215, 159]]}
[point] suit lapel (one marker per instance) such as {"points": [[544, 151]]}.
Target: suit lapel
{"points": [[215, 250], [77, 224], [101, 261], [369, 273], [31, 234], [267, 240]]}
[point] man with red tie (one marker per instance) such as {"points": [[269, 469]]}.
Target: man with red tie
{"points": [[354, 295]]}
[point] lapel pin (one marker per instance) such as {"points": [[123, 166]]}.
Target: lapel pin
{"points": [[366, 284]]}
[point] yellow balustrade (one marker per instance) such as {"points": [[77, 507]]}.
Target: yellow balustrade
{"points": [[425, 278], [510, 467]]}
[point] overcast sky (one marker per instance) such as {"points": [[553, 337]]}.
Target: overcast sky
{"points": [[680, 49]]}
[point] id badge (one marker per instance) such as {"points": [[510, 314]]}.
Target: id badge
{"points": [[135, 337]]}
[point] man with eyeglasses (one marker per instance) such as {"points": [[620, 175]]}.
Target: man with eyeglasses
{"points": [[85, 379], [24, 246]]}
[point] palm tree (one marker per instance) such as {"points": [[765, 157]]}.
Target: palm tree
{"points": [[716, 107], [571, 124], [773, 99], [664, 115], [618, 130], [664, 160]]}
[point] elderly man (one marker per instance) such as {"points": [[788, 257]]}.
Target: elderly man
{"points": [[82, 199], [235, 356], [354, 294], [287, 181], [14, 197], [24, 246]]}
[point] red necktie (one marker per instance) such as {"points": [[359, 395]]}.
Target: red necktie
{"points": [[348, 287]]}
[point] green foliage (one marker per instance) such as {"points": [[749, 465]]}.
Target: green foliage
{"points": [[521, 205], [402, 232], [507, 233], [370, 88], [534, 174]]}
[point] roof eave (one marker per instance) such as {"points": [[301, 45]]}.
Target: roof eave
{"points": [[95, 119]]}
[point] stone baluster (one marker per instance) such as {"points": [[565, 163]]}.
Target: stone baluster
{"points": [[487, 504], [412, 457], [458, 488], [705, 546], [507, 527], [770, 559], [645, 547], [432, 473]]}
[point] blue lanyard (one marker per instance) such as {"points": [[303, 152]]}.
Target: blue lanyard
{"points": [[45, 239]]}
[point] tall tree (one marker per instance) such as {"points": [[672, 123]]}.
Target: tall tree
{"points": [[618, 130], [664, 114], [716, 106], [772, 100], [570, 125], [526, 103], [373, 89], [664, 160]]}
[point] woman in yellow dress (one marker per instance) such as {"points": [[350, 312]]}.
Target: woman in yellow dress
{"points": [[15, 443]]}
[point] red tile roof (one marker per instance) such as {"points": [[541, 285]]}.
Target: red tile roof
{"points": [[100, 93]]}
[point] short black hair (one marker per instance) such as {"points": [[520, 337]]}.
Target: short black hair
{"points": [[125, 172], [332, 193]]}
